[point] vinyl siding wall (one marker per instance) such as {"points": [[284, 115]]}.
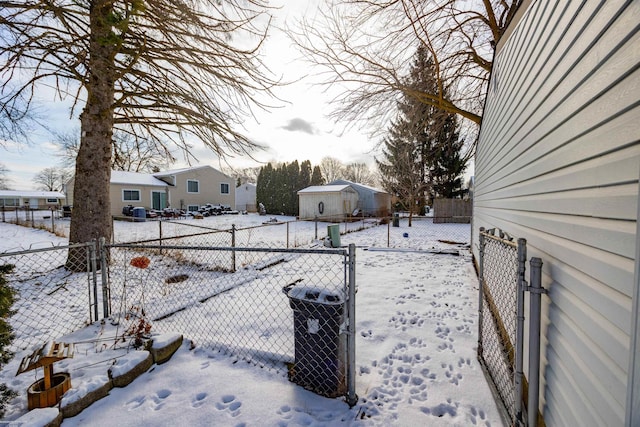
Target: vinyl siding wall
{"points": [[209, 180], [558, 163], [337, 205]]}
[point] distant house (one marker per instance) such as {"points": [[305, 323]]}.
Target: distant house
{"points": [[12, 199], [327, 202], [246, 197], [187, 189], [371, 201]]}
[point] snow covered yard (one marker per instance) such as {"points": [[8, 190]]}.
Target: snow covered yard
{"points": [[416, 322]]}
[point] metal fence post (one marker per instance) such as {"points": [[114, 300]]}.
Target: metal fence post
{"points": [[160, 233], [388, 233], [287, 235], [94, 272], [106, 311], [520, 288], [316, 221], [233, 245], [352, 398], [536, 290]]}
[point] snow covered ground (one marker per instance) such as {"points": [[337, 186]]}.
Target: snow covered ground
{"points": [[416, 321]]}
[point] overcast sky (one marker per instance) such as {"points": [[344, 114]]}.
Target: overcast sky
{"points": [[298, 130]]}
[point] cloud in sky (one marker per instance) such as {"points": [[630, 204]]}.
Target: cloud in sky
{"points": [[300, 125]]}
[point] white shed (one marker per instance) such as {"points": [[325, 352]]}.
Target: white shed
{"points": [[372, 201], [327, 202]]}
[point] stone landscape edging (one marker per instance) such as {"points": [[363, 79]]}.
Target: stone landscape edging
{"points": [[160, 348]]}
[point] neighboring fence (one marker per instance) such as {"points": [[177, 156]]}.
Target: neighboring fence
{"points": [[36, 218], [502, 268], [285, 309], [452, 210], [50, 300], [423, 233]]}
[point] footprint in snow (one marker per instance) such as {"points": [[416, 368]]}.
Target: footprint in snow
{"points": [[449, 408], [135, 403], [198, 400], [229, 403], [159, 398], [478, 416]]}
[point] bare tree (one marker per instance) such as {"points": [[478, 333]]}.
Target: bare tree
{"points": [[243, 175], [331, 169], [364, 47], [4, 180], [162, 69], [360, 173], [52, 179], [128, 153]]}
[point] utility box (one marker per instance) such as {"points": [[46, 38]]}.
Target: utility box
{"points": [[320, 348], [396, 219], [139, 214], [333, 232]]}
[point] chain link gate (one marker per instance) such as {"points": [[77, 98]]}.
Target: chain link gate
{"points": [[285, 309], [50, 300], [501, 315]]}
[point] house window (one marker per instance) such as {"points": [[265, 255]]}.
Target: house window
{"points": [[54, 201], [130, 195], [9, 202], [193, 208], [224, 188], [193, 186]]}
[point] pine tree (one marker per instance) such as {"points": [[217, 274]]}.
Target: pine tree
{"points": [[316, 176], [421, 149]]}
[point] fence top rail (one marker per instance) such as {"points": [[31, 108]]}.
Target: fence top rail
{"points": [[502, 237], [155, 239], [199, 226], [47, 249], [336, 251]]}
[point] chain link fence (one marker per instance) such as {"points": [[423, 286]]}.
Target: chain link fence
{"points": [[50, 300], [285, 308], [421, 233], [289, 310], [501, 280]]}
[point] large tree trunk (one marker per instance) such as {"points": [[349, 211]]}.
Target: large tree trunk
{"points": [[91, 215]]}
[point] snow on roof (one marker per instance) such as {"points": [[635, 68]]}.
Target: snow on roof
{"points": [[183, 170], [33, 194], [136, 178], [355, 184], [324, 189]]}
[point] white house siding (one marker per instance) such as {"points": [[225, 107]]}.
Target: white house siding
{"points": [[558, 163]]}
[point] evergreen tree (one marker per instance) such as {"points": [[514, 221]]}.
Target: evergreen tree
{"points": [[277, 188], [316, 176], [448, 166], [264, 193], [7, 298], [421, 149]]}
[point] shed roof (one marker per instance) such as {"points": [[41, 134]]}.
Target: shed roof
{"points": [[357, 185], [325, 189]]}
